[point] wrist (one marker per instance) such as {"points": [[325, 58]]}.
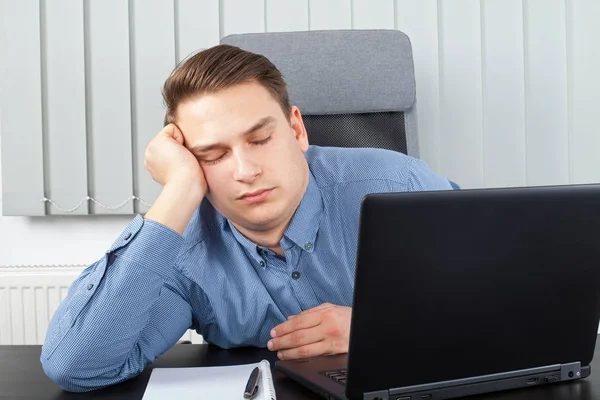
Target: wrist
{"points": [[191, 187], [176, 204]]}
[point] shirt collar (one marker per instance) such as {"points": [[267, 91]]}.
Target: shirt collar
{"points": [[303, 228], [251, 247]]}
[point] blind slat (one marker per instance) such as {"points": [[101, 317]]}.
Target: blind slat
{"points": [[460, 93], [153, 58], [65, 165], [365, 16], [287, 16], [584, 88], [546, 92], [503, 93], [21, 108], [198, 26], [246, 16], [109, 105], [330, 14]]}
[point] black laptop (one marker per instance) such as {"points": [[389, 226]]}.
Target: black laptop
{"points": [[467, 292]]}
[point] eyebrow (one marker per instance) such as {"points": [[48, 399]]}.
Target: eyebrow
{"points": [[259, 125]]}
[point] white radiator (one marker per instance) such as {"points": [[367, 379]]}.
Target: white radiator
{"points": [[29, 296]]}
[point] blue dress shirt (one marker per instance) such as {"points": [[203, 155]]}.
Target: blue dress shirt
{"points": [[153, 284]]}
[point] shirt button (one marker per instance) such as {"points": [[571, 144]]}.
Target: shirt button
{"points": [[90, 286], [262, 263], [295, 275], [308, 246], [128, 236]]}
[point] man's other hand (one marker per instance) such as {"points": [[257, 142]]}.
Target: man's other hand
{"points": [[321, 330]]}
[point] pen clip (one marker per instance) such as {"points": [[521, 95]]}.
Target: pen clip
{"points": [[252, 385]]}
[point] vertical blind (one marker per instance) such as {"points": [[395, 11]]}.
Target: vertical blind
{"points": [[507, 90], [81, 98]]}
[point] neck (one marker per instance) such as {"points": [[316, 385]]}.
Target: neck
{"points": [[268, 239]]}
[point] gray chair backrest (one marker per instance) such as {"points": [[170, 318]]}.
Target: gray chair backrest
{"points": [[355, 88]]}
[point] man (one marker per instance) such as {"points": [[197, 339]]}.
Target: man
{"points": [[251, 241]]}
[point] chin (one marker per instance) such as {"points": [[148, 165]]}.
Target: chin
{"points": [[257, 217], [261, 219], [260, 223]]}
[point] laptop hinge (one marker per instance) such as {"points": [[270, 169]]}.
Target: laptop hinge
{"points": [[570, 371], [378, 395], [475, 379]]}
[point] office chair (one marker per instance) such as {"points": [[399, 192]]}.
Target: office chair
{"points": [[354, 88]]}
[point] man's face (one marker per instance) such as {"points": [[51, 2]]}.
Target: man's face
{"points": [[252, 157]]}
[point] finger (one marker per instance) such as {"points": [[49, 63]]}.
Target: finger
{"points": [[173, 131], [309, 350], [300, 322], [297, 338], [321, 307], [178, 135]]}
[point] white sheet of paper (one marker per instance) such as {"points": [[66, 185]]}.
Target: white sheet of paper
{"points": [[224, 383]]}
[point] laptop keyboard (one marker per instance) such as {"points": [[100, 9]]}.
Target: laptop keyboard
{"points": [[338, 375]]}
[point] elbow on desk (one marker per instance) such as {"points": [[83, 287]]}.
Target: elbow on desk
{"points": [[63, 376], [68, 376], [71, 374]]}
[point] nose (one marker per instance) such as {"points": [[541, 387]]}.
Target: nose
{"points": [[246, 169]]}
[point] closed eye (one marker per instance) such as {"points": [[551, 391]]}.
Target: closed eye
{"points": [[263, 141], [212, 161]]}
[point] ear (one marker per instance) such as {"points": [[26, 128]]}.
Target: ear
{"points": [[298, 128]]}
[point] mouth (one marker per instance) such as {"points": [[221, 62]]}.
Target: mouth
{"points": [[256, 196]]}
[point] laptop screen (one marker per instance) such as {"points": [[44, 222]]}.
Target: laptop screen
{"points": [[466, 283]]}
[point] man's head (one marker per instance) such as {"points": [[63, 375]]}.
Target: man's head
{"points": [[233, 109]]}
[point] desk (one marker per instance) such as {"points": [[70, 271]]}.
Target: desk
{"points": [[22, 377]]}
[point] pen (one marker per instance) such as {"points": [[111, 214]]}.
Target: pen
{"points": [[252, 385]]}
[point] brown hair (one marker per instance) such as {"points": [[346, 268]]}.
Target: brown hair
{"points": [[218, 68]]}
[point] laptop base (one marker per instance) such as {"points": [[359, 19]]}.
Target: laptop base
{"points": [[311, 373], [495, 383]]}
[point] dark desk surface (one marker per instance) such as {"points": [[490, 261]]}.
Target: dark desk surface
{"points": [[22, 377]]}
